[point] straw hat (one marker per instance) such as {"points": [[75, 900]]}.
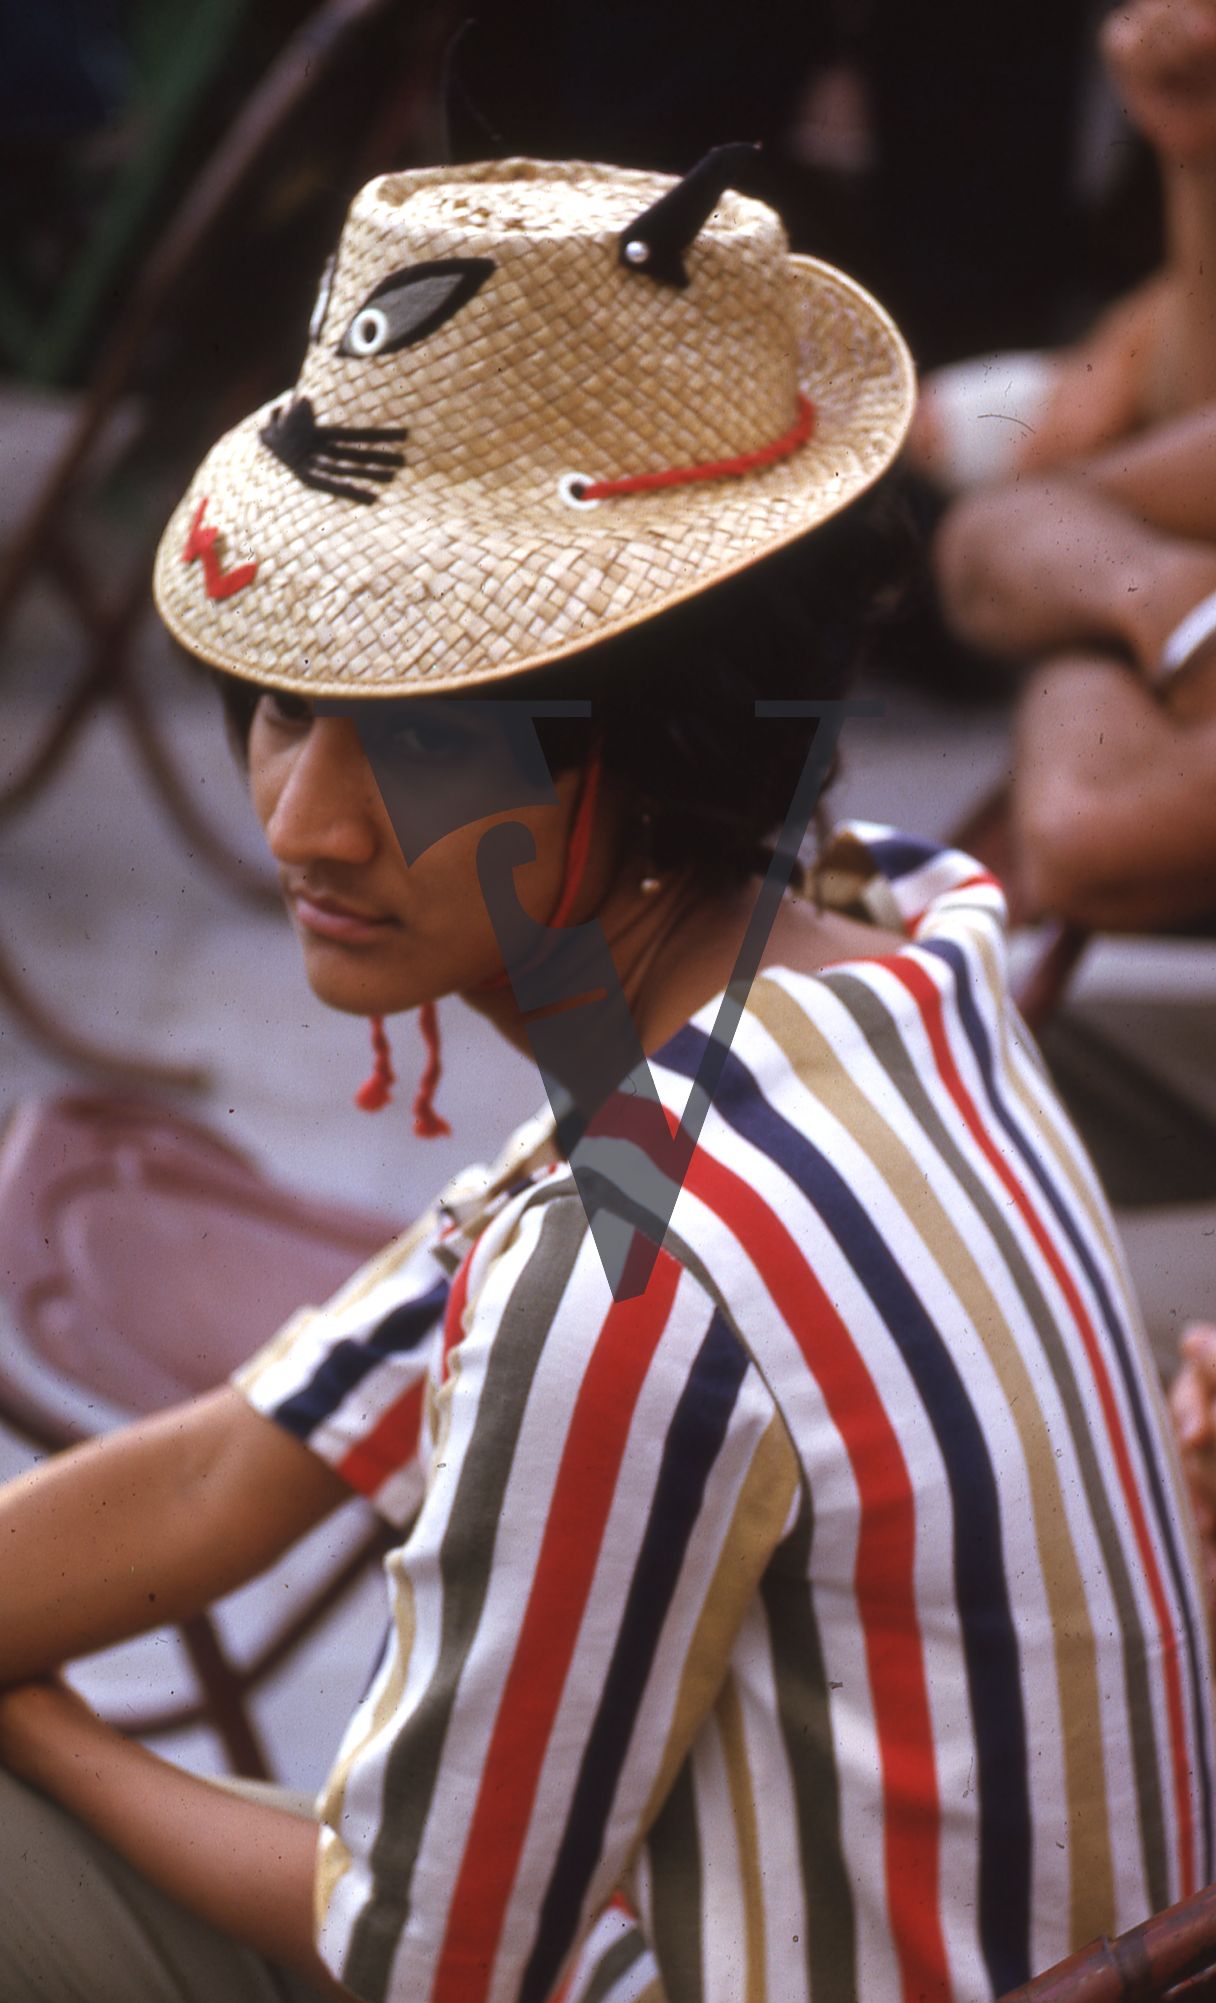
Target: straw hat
{"points": [[490, 347]]}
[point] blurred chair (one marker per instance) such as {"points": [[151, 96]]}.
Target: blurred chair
{"points": [[1171, 1958], [142, 1258], [340, 99]]}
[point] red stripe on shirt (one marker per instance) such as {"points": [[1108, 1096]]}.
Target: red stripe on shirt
{"points": [[929, 1001], [453, 1314], [982, 878], [578, 1512], [392, 1442], [884, 1576]]}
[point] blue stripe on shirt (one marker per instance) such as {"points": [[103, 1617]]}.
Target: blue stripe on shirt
{"points": [[694, 1440], [977, 1037], [350, 1361], [989, 1637]]}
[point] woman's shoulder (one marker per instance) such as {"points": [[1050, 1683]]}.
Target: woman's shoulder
{"points": [[904, 884], [891, 930]]}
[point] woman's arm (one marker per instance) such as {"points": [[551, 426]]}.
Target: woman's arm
{"points": [[244, 1866], [1114, 800], [1164, 477], [1044, 564], [149, 1525]]}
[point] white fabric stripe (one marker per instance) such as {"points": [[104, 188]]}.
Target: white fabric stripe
{"points": [[626, 1528], [612, 1927], [636, 1983], [877, 1349], [787, 1922], [569, 1350], [412, 1568], [792, 1385], [945, 1671], [933, 883], [723, 1917], [1084, 1372], [492, 1280]]}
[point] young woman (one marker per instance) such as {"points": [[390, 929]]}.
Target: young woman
{"points": [[793, 1596]]}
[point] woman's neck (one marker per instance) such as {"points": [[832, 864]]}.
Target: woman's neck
{"points": [[674, 950]]}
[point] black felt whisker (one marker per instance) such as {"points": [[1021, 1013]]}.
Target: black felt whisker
{"points": [[345, 491], [370, 435], [316, 452]]}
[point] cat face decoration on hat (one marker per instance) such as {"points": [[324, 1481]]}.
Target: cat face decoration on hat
{"points": [[540, 403]]}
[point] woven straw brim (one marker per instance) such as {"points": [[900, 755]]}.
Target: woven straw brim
{"points": [[448, 584]]}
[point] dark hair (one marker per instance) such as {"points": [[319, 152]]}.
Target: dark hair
{"points": [[673, 699]]}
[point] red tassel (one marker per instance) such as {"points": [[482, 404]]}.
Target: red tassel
{"points": [[428, 1124], [377, 1090]]}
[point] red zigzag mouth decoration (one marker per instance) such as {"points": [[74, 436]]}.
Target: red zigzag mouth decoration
{"points": [[200, 544]]}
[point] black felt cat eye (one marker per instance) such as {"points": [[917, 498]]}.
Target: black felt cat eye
{"points": [[408, 305]]}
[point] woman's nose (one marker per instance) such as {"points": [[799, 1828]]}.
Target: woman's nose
{"points": [[327, 807]]}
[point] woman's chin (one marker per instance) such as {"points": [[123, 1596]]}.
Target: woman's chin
{"points": [[339, 980]]}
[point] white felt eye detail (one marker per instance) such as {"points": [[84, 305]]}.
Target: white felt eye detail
{"points": [[571, 489], [322, 302], [368, 332]]}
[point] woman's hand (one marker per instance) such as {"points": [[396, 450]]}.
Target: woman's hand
{"points": [[1193, 1410], [243, 1865]]}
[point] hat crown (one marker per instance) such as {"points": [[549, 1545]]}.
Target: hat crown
{"points": [[561, 358]]}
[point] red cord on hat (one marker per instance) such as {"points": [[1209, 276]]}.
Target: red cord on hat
{"points": [[578, 848], [717, 469]]}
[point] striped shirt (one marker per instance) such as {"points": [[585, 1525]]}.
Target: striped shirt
{"points": [[821, 1626]]}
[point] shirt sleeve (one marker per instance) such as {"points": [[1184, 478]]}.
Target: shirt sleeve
{"points": [[608, 1484], [350, 1379]]}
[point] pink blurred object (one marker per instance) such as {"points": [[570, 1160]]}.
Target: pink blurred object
{"points": [[142, 1259]]}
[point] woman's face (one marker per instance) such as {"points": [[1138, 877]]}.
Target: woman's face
{"points": [[379, 934]]}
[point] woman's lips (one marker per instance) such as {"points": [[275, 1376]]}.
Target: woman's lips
{"points": [[329, 919]]}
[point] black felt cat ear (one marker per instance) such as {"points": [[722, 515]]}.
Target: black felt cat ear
{"points": [[654, 245], [408, 305]]}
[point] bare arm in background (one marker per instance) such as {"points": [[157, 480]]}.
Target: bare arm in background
{"points": [[1089, 572]]}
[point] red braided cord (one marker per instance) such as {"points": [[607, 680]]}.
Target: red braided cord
{"points": [[718, 469], [579, 847], [377, 1090], [577, 851], [428, 1124]]}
